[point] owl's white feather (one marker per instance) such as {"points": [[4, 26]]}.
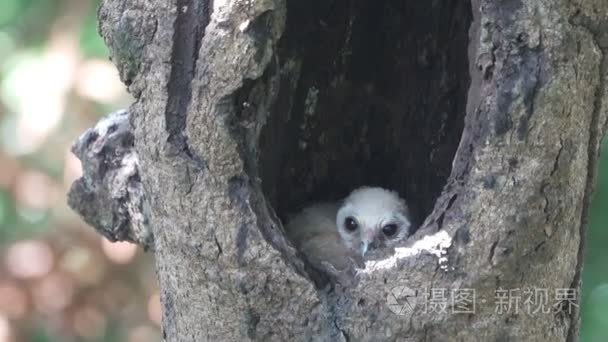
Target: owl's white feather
{"points": [[313, 232], [341, 233]]}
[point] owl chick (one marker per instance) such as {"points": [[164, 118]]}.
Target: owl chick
{"points": [[341, 233]]}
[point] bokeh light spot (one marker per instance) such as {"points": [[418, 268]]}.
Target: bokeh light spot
{"points": [[53, 293], [144, 333], [13, 301], [154, 309], [35, 190], [89, 323], [72, 169], [119, 252], [6, 331], [29, 259], [87, 267], [98, 80]]}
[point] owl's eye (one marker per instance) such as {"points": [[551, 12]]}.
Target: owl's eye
{"points": [[351, 224], [390, 229]]}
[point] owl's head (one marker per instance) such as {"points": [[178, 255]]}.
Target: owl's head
{"points": [[372, 217]]}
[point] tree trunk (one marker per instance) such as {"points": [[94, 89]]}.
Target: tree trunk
{"points": [[485, 115]]}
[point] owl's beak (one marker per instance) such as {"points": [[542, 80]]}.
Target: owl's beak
{"points": [[364, 247], [367, 245]]}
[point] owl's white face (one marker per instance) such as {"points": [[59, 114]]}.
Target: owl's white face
{"points": [[371, 218]]}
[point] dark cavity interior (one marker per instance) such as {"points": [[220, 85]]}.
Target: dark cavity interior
{"points": [[370, 93]]}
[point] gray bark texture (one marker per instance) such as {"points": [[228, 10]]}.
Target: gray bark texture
{"points": [[487, 116]]}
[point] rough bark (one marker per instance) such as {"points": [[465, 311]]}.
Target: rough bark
{"points": [[247, 110], [110, 195]]}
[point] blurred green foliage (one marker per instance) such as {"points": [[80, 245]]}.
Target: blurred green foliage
{"points": [[28, 21], [25, 26], [90, 42], [595, 272], [55, 81]]}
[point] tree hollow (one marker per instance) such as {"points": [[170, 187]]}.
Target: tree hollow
{"points": [[371, 93]]}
